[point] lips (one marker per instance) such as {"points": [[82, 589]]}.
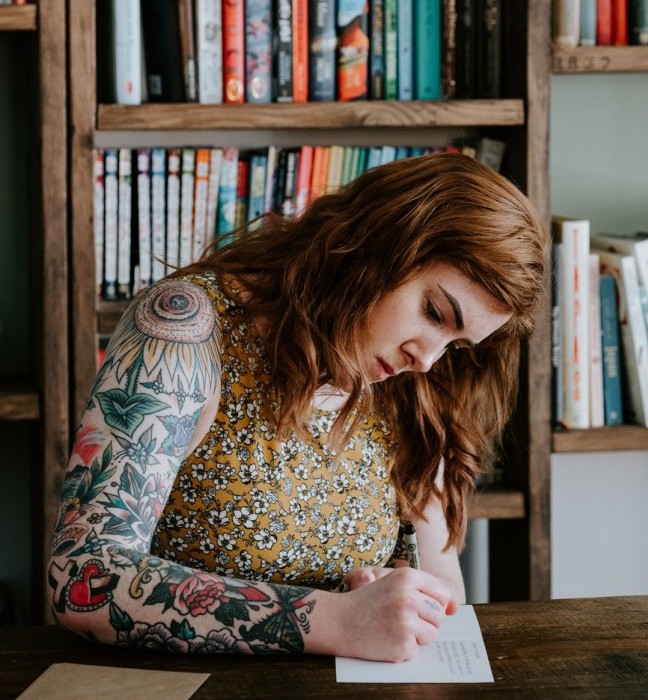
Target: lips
{"points": [[387, 367]]}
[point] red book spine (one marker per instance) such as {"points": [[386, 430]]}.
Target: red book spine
{"points": [[603, 22], [620, 22], [300, 50], [234, 50]]}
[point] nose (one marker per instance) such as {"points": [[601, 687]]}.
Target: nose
{"points": [[423, 353]]}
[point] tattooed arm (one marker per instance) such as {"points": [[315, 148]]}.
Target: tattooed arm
{"points": [[153, 399]]}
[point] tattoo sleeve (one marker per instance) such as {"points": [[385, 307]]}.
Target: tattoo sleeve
{"points": [[161, 370]]}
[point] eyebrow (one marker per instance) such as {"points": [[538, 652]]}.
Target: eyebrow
{"points": [[456, 308]]}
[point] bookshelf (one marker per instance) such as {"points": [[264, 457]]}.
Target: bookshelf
{"points": [[42, 397], [588, 61], [518, 515]]}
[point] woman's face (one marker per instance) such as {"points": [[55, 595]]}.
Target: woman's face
{"points": [[413, 325]]}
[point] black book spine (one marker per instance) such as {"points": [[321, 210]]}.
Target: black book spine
{"points": [[377, 50], [163, 52], [466, 61], [284, 44], [489, 84]]}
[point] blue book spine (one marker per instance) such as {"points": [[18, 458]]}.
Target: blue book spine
{"points": [[427, 49], [588, 22], [405, 55], [402, 152], [227, 192], [322, 46], [258, 170], [612, 393], [258, 50]]}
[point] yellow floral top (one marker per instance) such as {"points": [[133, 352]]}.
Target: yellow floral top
{"points": [[256, 506]]}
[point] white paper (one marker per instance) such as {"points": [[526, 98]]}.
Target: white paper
{"points": [[458, 655]]}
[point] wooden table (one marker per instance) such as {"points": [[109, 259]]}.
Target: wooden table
{"points": [[583, 648]]}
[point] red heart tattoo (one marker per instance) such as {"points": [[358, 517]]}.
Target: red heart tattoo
{"points": [[92, 588]]}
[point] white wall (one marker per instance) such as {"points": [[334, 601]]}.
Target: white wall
{"points": [[599, 171]]}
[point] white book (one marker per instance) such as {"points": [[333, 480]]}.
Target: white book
{"points": [[635, 244], [128, 51], [187, 204], [566, 23], [271, 169], [98, 217], [201, 188], [158, 213], [634, 337], [597, 412], [215, 164], [210, 51], [124, 223], [173, 209], [575, 238], [110, 231], [144, 216]]}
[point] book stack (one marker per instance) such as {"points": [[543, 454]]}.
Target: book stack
{"points": [[260, 51], [156, 209], [599, 327], [600, 23]]}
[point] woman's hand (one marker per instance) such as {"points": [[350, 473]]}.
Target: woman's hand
{"points": [[390, 618]]}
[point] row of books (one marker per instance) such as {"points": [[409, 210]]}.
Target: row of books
{"points": [[600, 23], [156, 208], [260, 51], [599, 326], [16, 2]]}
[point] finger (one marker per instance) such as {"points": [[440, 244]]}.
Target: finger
{"points": [[452, 607], [432, 611], [359, 577]]}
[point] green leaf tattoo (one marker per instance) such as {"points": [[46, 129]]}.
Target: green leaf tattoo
{"points": [[126, 413]]}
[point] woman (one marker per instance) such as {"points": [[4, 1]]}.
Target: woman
{"points": [[265, 419]]}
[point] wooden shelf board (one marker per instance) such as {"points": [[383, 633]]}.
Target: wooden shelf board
{"points": [[496, 504], [622, 437], [18, 400], [601, 59], [20, 18], [311, 115]]}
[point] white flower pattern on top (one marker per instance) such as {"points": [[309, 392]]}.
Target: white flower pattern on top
{"points": [[250, 504]]}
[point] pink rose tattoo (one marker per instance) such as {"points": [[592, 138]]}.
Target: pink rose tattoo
{"points": [[198, 594]]}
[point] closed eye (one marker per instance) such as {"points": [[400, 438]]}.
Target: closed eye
{"points": [[433, 313]]}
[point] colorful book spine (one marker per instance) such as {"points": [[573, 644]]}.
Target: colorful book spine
{"points": [[427, 49], [98, 216], [597, 413], [258, 170], [620, 22], [111, 182], [320, 167], [188, 44], [587, 31], [209, 45], [201, 190], [258, 51], [377, 50], [634, 336], [234, 51], [638, 22], [353, 49], [128, 51], [174, 159], [391, 49], [284, 52], [215, 165], [242, 191], [611, 351], [604, 30], [300, 50], [227, 192], [158, 213], [144, 216], [187, 179], [322, 47], [304, 176], [163, 50], [575, 237]]}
